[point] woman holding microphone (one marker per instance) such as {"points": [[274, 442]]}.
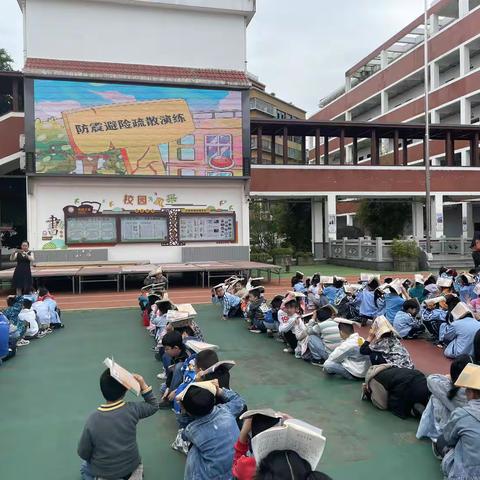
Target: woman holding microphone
{"points": [[22, 276]]}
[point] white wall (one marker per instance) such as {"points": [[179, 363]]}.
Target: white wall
{"points": [[48, 196], [139, 33]]}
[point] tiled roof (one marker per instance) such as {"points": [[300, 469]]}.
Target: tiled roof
{"points": [[134, 72]]}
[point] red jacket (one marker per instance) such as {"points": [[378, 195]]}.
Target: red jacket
{"points": [[244, 467]]}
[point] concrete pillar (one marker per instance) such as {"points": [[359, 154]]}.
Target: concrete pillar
{"points": [[467, 220], [434, 25], [434, 75], [464, 60], [317, 228], [465, 119], [417, 220], [384, 102], [348, 116], [383, 59], [348, 83], [437, 215], [331, 217], [463, 8], [349, 154], [350, 220]]}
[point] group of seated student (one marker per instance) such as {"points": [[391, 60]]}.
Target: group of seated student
{"points": [[196, 387], [444, 310], [27, 317]]}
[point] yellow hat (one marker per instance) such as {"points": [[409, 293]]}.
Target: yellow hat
{"points": [[470, 377]]}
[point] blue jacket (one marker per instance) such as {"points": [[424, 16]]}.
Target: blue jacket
{"points": [[228, 301], [300, 287], [213, 438], [4, 331], [403, 323], [367, 303], [393, 304], [467, 293], [462, 432], [459, 335], [330, 292]]}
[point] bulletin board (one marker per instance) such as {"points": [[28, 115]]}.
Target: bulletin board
{"points": [[148, 228], [98, 229], [205, 227]]}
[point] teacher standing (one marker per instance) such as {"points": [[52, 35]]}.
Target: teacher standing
{"points": [[22, 276]]}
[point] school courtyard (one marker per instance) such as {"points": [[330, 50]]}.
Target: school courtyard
{"points": [[51, 386]]}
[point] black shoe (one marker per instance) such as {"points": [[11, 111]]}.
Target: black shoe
{"points": [[317, 363], [436, 452], [55, 326]]}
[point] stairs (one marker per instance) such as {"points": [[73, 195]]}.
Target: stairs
{"points": [[459, 262]]}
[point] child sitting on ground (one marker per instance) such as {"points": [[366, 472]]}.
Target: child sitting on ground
{"points": [[45, 298], [108, 445], [175, 352], [346, 360], [405, 321], [271, 318], [27, 314], [212, 430], [257, 310], [433, 313], [288, 321], [230, 303]]}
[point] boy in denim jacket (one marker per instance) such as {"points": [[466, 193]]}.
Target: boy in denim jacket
{"points": [[212, 430]]}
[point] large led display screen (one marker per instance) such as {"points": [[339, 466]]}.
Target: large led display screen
{"points": [[85, 128]]}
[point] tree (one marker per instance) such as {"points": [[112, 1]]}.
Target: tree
{"points": [[5, 66], [5, 61], [384, 219]]}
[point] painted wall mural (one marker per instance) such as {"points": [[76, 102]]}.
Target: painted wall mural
{"points": [[139, 218], [89, 128]]}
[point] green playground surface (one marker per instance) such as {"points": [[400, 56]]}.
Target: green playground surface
{"points": [[48, 390]]}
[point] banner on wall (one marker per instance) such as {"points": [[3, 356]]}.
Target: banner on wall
{"points": [[89, 128]]}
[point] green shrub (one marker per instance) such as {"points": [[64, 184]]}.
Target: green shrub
{"points": [[405, 249], [281, 251], [303, 254], [262, 257]]}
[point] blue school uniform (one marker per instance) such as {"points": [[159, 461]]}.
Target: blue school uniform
{"points": [[403, 323], [393, 304], [367, 303], [467, 293], [300, 287], [4, 336], [459, 335], [330, 292], [228, 301]]}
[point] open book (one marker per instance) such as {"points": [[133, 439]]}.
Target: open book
{"points": [[122, 376], [197, 346], [266, 412], [301, 437], [188, 308], [226, 364]]}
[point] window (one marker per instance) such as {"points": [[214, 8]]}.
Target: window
{"points": [[281, 115], [218, 151], [187, 153]]}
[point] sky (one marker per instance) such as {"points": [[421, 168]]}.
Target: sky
{"points": [[299, 49]]}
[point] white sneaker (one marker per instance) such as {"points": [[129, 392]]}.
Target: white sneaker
{"points": [[23, 342], [288, 350], [41, 334], [162, 376]]}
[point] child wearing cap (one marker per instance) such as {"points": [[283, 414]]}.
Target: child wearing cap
{"points": [[212, 429], [230, 303], [459, 331], [461, 435], [405, 321], [346, 360], [297, 282]]}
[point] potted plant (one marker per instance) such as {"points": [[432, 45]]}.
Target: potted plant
{"points": [[405, 255], [282, 256], [304, 258]]}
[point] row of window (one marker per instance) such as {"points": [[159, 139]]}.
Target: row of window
{"points": [[258, 104]]}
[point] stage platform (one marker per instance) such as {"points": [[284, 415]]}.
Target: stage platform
{"points": [[84, 273]]}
